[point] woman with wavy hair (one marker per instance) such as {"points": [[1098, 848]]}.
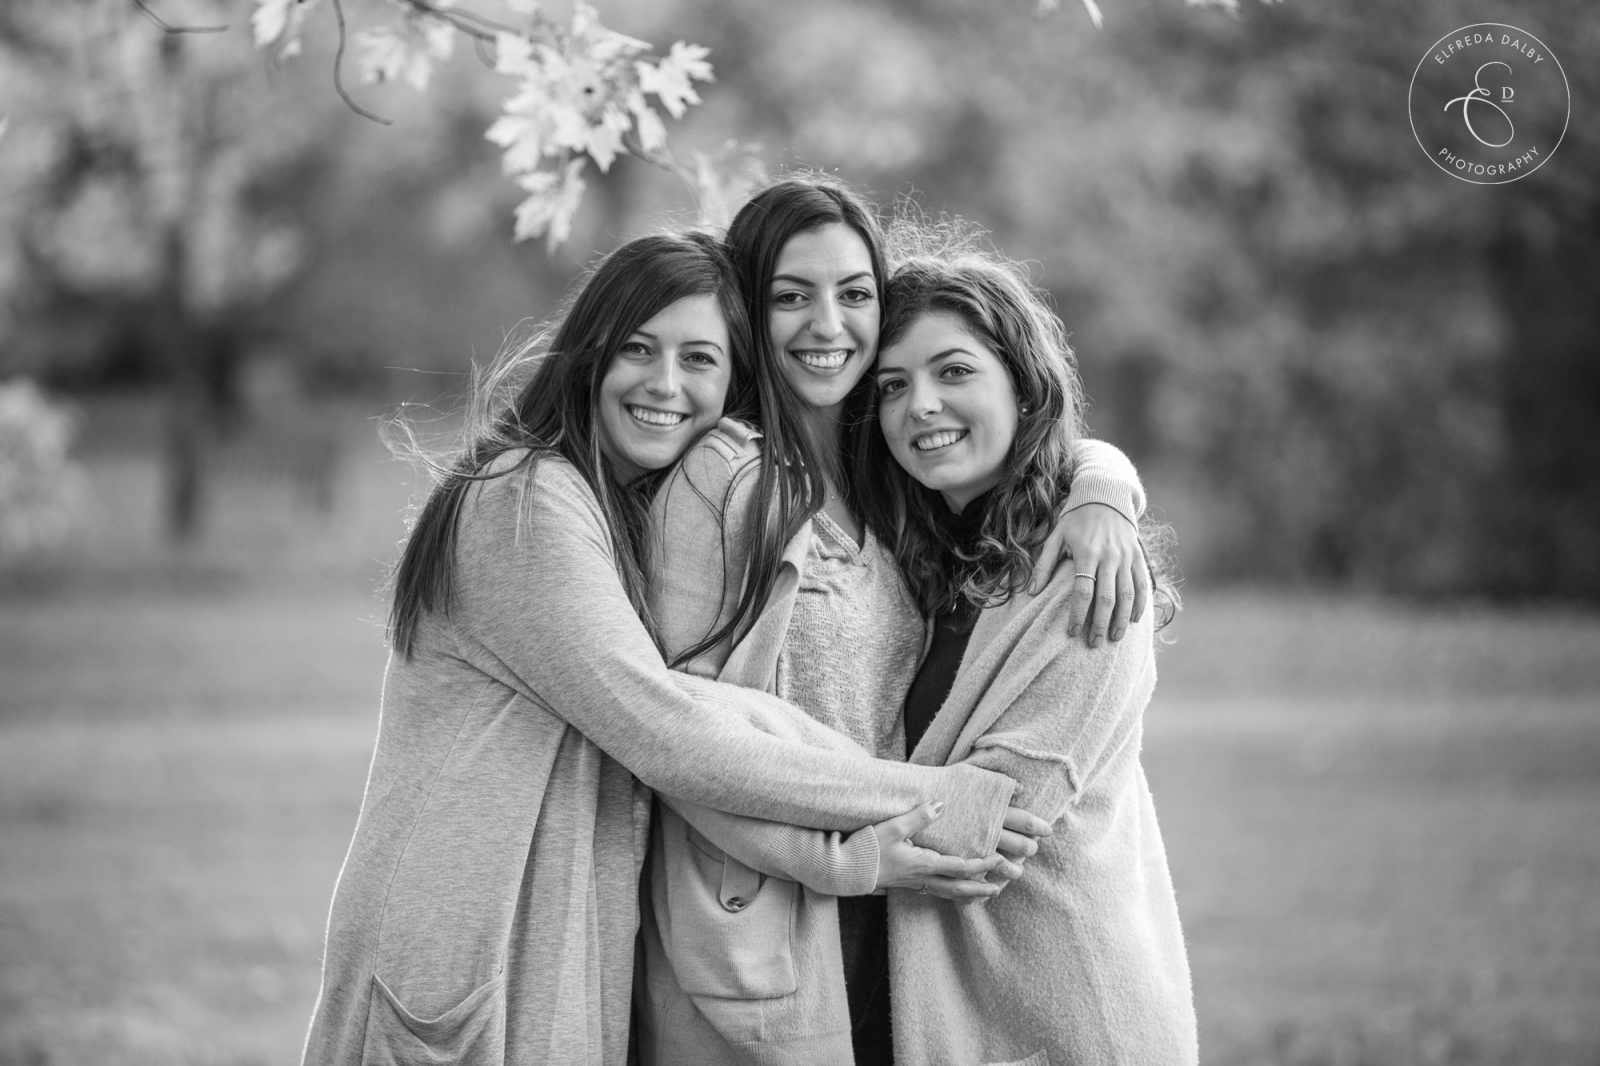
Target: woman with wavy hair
{"points": [[968, 456], [766, 574], [487, 908]]}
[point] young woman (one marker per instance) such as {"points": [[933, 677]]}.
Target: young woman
{"points": [[772, 556], [487, 908], [1081, 960]]}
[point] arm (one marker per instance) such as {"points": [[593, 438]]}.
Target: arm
{"points": [[540, 609], [699, 540], [1078, 707], [699, 550], [1098, 530]]}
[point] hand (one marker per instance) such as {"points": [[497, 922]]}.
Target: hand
{"points": [[902, 864], [1112, 577]]}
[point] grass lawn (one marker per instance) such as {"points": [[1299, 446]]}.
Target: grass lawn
{"points": [[1383, 822]]}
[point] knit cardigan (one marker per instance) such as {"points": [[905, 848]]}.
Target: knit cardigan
{"points": [[487, 908], [703, 998], [1082, 960]]}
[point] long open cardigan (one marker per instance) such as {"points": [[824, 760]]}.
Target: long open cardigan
{"points": [[1082, 960], [487, 908]]}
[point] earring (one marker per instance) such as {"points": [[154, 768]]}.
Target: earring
{"points": [[1024, 408]]}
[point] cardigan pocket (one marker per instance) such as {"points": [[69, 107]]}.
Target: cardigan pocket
{"points": [[471, 1033], [729, 930]]}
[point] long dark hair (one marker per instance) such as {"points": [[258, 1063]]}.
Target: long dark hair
{"points": [[797, 464], [553, 413], [993, 299]]}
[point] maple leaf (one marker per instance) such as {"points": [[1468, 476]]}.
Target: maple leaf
{"points": [[670, 78]]}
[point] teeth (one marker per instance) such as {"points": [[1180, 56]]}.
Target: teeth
{"points": [[829, 360], [656, 418], [938, 440]]}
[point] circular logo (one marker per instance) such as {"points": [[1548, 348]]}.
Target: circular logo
{"points": [[1489, 103]]}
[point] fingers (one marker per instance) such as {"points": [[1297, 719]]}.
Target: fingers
{"points": [[1141, 585], [962, 891], [1006, 871], [1080, 603], [1016, 845], [1124, 608], [1021, 820], [922, 863], [1105, 603], [909, 824], [1045, 565]]}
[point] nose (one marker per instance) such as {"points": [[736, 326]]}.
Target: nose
{"points": [[923, 400], [663, 382], [826, 322]]}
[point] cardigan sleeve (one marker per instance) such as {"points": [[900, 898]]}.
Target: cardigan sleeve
{"points": [[1068, 709], [700, 522], [837, 864], [1103, 474], [540, 609], [699, 543]]}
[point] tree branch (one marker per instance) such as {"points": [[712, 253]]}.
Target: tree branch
{"points": [[338, 78], [167, 27]]}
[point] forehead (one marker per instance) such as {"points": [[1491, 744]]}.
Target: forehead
{"points": [[931, 334], [691, 318], [831, 251]]}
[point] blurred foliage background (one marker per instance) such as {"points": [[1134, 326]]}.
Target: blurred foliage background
{"points": [[1334, 365], [1364, 392]]}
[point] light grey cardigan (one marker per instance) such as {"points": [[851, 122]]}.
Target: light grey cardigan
{"points": [[1081, 961], [760, 984], [487, 908]]}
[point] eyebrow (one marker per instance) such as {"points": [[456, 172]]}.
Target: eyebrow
{"points": [[656, 340], [811, 284], [947, 353]]}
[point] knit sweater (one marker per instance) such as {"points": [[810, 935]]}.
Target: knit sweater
{"points": [[702, 515], [487, 908], [1081, 961]]}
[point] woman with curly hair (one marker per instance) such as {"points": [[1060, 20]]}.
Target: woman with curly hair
{"points": [[968, 455]]}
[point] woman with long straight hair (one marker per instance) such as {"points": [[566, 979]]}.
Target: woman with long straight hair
{"points": [[765, 574], [487, 908]]}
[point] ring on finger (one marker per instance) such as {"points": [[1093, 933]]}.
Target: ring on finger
{"points": [[922, 890], [1089, 576]]}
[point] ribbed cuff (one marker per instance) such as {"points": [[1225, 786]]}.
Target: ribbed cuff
{"points": [[1101, 488]]}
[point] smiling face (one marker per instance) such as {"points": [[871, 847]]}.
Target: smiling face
{"points": [[948, 408], [823, 317], [665, 387]]}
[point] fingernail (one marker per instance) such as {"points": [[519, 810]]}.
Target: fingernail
{"points": [[1072, 631], [938, 808], [1116, 634]]}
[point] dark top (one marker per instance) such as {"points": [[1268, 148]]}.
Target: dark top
{"points": [[951, 631]]}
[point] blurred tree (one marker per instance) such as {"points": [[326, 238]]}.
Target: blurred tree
{"points": [[129, 177]]}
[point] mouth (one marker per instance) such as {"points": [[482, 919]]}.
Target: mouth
{"points": [[649, 416], [822, 358], [944, 438]]}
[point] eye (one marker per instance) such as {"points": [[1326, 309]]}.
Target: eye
{"points": [[788, 298], [890, 387], [857, 295], [636, 349], [955, 372], [700, 358]]}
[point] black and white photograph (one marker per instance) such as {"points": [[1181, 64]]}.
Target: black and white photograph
{"points": [[838, 533]]}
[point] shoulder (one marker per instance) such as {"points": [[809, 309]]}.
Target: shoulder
{"points": [[522, 487], [724, 453], [720, 468]]}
